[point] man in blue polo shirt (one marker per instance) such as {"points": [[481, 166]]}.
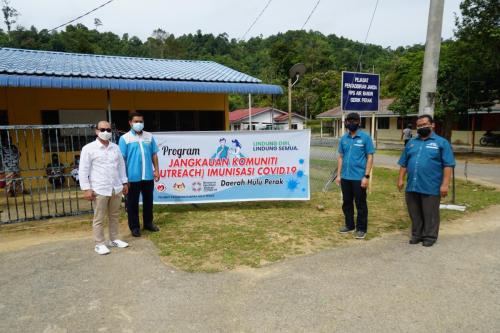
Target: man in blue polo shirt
{"points": [[428, 160], [139, 150], [354, 165]]}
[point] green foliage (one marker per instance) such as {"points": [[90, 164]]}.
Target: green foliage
{"points": [[266, 58], [468, 77]]}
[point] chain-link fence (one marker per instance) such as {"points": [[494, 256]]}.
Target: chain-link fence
{"points": [[323, 163]]}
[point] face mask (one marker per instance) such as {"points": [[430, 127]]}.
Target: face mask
{"points": [[138, 126], [105, 135], [352, 127], [424, 131]]}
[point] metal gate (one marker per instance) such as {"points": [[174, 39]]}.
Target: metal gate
{"points": [[39, 171]]}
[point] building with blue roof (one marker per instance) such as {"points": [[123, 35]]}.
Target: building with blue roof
{"points": [[44, 87]]}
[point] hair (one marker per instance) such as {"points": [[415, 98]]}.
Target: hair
{"points": [[131, 115], [100, 121], [236, 142], [222, 139], [408, 125], [428, 116], [353, 116]]}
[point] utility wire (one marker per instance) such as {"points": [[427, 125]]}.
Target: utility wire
{"points": [[79, 17], [358, 66], [256, 19], [310, 14]]}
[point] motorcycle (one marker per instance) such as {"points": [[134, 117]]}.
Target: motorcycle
{"points": [[490, 138]]}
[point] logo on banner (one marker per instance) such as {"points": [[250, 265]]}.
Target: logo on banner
{"points": [[179, 187], [161, 187], [196, 186]]}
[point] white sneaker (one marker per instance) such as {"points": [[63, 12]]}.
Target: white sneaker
{"points": [[102, 249], [118, 243]]}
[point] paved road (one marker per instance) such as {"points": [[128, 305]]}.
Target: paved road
{"points": [[384, 285]]}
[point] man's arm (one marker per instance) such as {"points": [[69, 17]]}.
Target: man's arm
{"points": [[401, 178], [122, 173], [83, 172], [447, 171], [368, 169], [339, 169], [156, 170]]}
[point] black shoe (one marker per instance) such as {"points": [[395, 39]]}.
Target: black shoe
{"points": [[427, 243], [152, 228], [360, 234], [345, 230], [136, 233], [414, 241]]}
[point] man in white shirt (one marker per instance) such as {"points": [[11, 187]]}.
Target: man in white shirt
{"points": [[103, 178]]}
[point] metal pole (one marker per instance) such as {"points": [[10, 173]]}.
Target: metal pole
{"points": [[321, 128], [289, 103], [343, 124], [250, 112], [373, 138], [453, 179], [473, 132], [108, 94], [306, 113], [431, 58]]}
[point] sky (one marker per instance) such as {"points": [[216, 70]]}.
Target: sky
{"points": [[396, 22]]}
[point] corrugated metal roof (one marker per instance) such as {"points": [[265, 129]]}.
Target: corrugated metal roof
{"points": [[46, 69], [34, 81]]}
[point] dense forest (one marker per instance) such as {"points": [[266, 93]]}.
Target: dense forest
{"points": [[469, 75]]}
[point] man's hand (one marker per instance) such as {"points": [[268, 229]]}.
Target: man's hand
{"points": [[125, 189], [156, 175], [401, 184], [89, 195], [337, 180], [443, 190], [364, 182]]}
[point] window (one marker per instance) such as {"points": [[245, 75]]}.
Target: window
{"points": [[294, 126], [405, 121], [237, 127], [161, 121], [3, 117], [383, 123], [68, 139], [363, 123]]}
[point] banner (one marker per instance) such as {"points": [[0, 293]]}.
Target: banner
{"points": [[198, 167], [360, 91]]}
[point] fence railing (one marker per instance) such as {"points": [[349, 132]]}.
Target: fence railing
{"points": [[39, 171]]}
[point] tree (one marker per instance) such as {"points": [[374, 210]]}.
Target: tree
{"points": [[10, 14]]}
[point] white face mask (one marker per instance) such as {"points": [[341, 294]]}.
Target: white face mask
{"points": [[138, 126], [105, 135]]}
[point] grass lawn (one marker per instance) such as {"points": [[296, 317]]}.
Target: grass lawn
{"points": [[217, 237]]}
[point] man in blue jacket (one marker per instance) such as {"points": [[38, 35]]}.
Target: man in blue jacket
{"points": [[428, 161], [354, 165], [139, 150]]}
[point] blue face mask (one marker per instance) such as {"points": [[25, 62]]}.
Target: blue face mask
{"points": [[137, 126]]}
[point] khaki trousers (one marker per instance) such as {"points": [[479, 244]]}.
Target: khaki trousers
{"points": [[110, 206]]}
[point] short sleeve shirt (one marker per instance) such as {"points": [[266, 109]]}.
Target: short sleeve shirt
{"points": [[354, 152], [138, 151], [424, 161]]}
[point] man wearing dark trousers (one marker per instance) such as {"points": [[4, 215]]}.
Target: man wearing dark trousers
{"points": [[428, 160], [139, 151], [354, 165]]}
